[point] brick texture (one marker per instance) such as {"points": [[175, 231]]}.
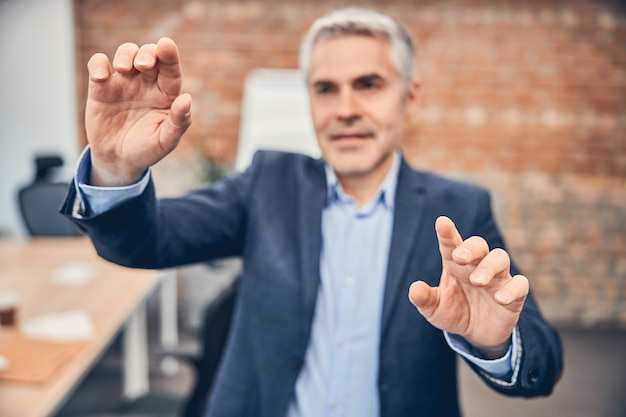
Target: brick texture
{"points": [[527, 98]]}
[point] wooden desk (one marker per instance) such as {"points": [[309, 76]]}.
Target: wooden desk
{"points": [[112, 297]]}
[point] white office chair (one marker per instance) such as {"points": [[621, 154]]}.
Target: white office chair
{"points": [[275, 115]]}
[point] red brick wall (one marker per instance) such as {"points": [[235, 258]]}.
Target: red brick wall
{"points": [[527, 98]]}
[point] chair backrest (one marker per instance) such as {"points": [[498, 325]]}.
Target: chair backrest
{"points": [[39, 205], [275, 115]]}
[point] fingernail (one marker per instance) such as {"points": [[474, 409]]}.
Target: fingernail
{"points": [[462, 253], [479, 278], [124, 62], [99, 74], [503, 296]]}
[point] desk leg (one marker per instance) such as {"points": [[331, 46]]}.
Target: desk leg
{"points": [[169, 321], [169, 309], [135, 371]]}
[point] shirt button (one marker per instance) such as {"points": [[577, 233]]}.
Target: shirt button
{"points": [[349, 282]]}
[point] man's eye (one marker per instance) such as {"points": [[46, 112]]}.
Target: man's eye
{"points": [[322, 89], [368, 85]]}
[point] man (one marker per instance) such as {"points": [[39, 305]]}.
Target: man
{"points": [[330, 247]]}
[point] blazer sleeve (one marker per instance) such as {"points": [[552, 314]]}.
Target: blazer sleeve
{"points": [[146, 232], [539, 364]]}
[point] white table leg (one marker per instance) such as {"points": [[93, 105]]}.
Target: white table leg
{"points": [[169, 320], [135, 371], [169, 309]]}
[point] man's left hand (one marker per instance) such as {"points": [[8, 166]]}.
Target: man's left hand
{"points": [[477, 298]]}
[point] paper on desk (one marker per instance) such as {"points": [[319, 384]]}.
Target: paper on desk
{"points": [[73, 273], [32, 360], [69, 326]]}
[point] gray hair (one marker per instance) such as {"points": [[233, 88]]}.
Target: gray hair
{"points": [[357, 21]]}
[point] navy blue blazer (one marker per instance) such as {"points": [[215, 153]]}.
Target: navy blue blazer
{"points": [[271, 216]]}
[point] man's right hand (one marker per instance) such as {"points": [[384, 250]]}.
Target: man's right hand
{"points": [[135, 114]]}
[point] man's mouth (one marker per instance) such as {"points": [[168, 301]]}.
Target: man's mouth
{"points": [[351, 135]]}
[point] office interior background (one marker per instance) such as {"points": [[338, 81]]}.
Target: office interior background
{"points": [[524, 97], [527, 98]]}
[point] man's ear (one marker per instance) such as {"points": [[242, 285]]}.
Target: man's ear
{"points": [[412, 96]]}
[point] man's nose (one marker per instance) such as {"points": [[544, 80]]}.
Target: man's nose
{"points": [[348, 106]]}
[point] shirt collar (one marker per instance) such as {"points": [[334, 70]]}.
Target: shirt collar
{"points": [[385, 193]]}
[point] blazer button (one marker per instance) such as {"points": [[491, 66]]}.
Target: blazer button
{"points": [[383, 388], [295, 363], [533, 376]]}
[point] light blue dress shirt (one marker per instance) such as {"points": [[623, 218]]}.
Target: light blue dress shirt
{"points": [[340, 370]]}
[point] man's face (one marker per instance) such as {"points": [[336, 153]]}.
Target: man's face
{"points": [[359, 105]]}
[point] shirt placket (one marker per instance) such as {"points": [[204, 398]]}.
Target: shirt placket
{"points": [[347, 286]]}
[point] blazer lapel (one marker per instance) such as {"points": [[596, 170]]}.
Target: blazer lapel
{"points": [[407, 221], [312, 198]]}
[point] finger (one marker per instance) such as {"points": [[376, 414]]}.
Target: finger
{"points": [[424, 297], [471, 251], [448, 237], [514, 291], [170, 71], [167, 52], [99, 68], [145, 60], [495, 264], [125, 57], [177, 122]]}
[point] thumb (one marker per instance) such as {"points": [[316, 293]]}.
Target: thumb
{"points": [[177, 123], [424, 297]]}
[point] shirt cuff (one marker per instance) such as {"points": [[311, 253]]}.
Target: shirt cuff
{"points": [[96, 200], [499, 368]]}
